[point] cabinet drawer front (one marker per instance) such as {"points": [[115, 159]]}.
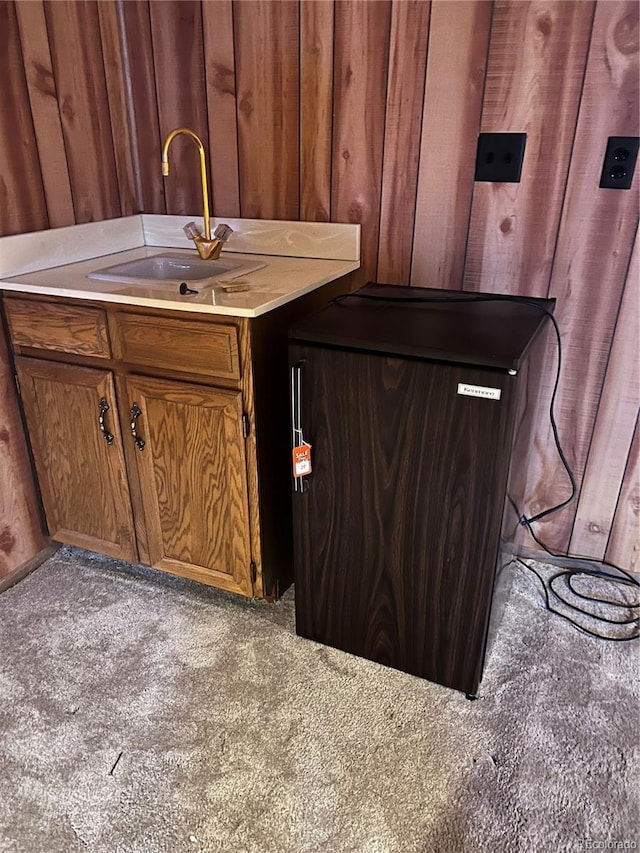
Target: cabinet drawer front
{"points": [[66, 328], [207, 349]]}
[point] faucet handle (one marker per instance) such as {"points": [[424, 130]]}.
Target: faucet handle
{"points": [[191, 230], [223, 232]]}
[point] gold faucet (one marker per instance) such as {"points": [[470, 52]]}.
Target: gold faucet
{"points": [[208, 247]]}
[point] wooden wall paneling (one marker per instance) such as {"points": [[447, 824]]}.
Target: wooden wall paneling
{"points": [[217, 22], [142, 104], [46, 113], [114, 51], [76, 52], [316, 103], [21, 534], [178, 53], [614, 427], [456, 61], [623, 548], [535, 70], [22, 202], [267, 79], [403, 120], [361, 56], [595, 243], [128, 60]]}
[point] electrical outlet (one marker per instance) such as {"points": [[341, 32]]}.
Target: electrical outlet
{"points": [[619, 162], [500, 157]]}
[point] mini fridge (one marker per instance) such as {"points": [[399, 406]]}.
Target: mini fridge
{"points": [[411, 415]]}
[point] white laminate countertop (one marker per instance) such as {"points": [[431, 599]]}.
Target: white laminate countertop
{"points": [[278, 282], [283, 278]]}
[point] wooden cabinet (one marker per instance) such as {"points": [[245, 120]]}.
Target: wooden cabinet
{"points": [[162, 436]]}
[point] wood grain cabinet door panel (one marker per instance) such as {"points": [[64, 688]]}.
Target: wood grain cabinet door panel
{"points": [[82, 476], [65, 328], [173, 343], [193, 479]]}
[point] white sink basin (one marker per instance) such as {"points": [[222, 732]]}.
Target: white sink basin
{"points": [[174, 269]]}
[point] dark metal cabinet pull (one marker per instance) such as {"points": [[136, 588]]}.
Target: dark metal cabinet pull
{"points": [[135, 414], [104, 408]]}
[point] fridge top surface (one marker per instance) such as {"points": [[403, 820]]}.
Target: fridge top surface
{"points": [[483, 329]]}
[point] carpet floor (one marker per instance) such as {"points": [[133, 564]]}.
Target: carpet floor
{"points": [[142, 713]]}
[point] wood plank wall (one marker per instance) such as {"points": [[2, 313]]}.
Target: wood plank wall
{"points": [[369, 112]]}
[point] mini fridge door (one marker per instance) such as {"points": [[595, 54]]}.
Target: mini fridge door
{"points": [[397, 527]]}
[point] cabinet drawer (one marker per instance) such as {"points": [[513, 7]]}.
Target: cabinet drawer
{"points": [[65, 328], [191, 346]]}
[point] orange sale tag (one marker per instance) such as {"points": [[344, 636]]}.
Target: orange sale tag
{"points": [[301, 460]]}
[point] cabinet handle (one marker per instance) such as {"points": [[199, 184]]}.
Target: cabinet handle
{"points": [[104, 408], [135, 414]]}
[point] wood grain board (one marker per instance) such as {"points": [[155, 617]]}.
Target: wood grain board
{"points": [[22, 203], [115, 68], [76, 53], [365, 112], [405, 94], [458, 38], [267, 80], [614, 426], [45, 110], [134, 28], [362, 33], [623, 548], [316, 104], [178, 53], [217, 23]]}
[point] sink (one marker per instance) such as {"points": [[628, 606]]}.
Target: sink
{"points": [[174, 269]]}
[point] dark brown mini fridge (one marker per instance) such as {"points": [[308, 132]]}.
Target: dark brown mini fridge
{"points": [[412, 411]]}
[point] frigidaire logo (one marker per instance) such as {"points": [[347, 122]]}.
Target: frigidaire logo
{"points": [[479, 391]]}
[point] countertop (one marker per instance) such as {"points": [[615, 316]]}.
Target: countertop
{"points": [[283, 278]]}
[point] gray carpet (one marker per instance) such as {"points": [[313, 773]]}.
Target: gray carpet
{"points": [[144, 713]]}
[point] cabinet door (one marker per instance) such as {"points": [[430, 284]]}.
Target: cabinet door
{"points": [[77, 449], [192, 469]]}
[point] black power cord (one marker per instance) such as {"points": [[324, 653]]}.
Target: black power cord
{"points": [[549, 587], [566, 575]]}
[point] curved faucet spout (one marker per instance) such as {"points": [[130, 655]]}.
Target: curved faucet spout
{"points": [[203, 171]]}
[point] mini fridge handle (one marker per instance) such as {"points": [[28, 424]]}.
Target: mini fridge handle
{"points": [[297, 437]]}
